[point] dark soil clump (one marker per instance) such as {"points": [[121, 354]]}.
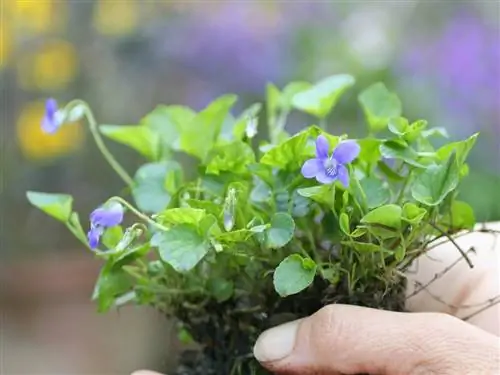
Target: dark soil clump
{"points": [[227, 332]]}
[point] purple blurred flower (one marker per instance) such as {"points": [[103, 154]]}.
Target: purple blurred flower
{"points": [[329, 168], [235, 46], [461, 67], [94, 235], [51, 122], [101, 218]]}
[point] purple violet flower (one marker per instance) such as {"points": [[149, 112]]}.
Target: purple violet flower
{"points": [[329, 168], [51, 121], [94, 235], [101, 218]]}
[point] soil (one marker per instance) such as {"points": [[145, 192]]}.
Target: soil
{"points": [[227, 332]]}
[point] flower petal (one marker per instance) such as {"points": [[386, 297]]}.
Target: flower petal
{"points": [[50, 123], [51, 107], [94, 236], [343, 175], [346, 151], [311, 168], [322, 147], [49, 126], [323, 178], [107, 216]]}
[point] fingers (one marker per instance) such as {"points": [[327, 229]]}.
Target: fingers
{"points": [[460, 291], [341, 339], [145, 372]]}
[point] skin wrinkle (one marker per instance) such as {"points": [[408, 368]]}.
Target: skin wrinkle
{"points": [[432, 344]]}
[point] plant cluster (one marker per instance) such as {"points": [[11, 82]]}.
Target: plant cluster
{"points": [[265, 232]]}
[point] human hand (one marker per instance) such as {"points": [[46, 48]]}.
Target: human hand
{"points": [[342, 339]]}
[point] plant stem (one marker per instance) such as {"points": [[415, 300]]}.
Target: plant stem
{"points": [[78, 234], [138, 213], [450, 238], [403, 188], [100, 143]]}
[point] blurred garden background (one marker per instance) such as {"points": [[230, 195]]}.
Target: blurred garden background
{"points": [[126, 56]]}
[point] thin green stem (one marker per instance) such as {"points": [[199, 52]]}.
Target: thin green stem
{"points": [[403, 189], [100, 143], [138, 213], [78, 234], [452, 240]]}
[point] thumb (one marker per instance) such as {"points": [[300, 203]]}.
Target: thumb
{"points": [[341, 339]]}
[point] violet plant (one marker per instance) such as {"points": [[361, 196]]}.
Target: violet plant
{"points": [[271, 232]]}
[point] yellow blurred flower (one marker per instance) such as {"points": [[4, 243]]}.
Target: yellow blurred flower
{"points": [[53, 67], [37, 16], [37, 145], [5, 43], [113, 17]]}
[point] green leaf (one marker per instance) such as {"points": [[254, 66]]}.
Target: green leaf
{"points": [[208, 226], [434, 183], [324, 194], [221, 289], [370, 150], [388, 216], [234, 157], [461, 148], [150, 192], [76, 225], [111, 284], [376, 191], [239, 235], [129, 255], [390, 173], [209, 207], [181, 247], [358, 232], [173, 178], [382, 232], [140, 138], [415, 130], [460, 216], [399, 253], [281, 230], [402, 128], [181, 215], [185, 337], [291, 153], [394, 150], [261, 192], [58, 206], [344, 223], [289, 91], [200, 135], [320, 99], [264, 172], [379, 105], [240, 125], [435, 132], [412, 213], [363, 247], [112, 236], [168, 122], [293, 275], [399, 126]]}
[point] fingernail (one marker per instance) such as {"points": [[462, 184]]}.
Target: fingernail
{"points": [[276, 343]]}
